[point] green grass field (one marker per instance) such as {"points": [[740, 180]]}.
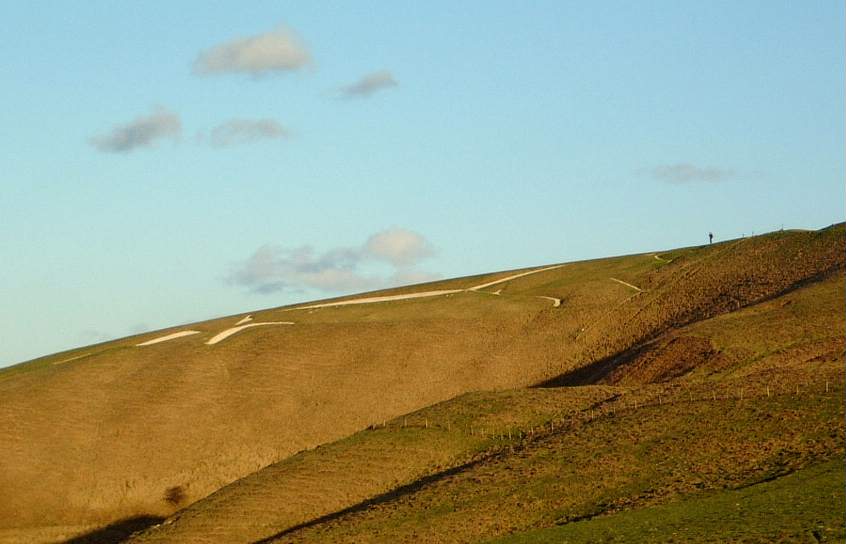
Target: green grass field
{"points": [[806, 506]]}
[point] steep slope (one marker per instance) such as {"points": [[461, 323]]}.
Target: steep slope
{"points": [[775, 363], [801, 326], [802, 502], [118, 431], [370, 463], [616, 462], [106, 436]]}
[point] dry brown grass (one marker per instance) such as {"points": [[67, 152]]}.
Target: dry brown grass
{"points": [[727, 405], [103, 437]]}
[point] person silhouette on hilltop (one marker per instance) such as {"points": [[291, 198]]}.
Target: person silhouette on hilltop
{"points": [[710, 237]]}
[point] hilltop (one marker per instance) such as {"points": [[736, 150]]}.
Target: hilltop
{"points": [[529, 405]]}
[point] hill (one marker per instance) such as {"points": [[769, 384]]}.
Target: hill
{"points": [[646, 369]]}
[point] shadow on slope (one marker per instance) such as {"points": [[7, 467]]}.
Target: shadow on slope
{"points": [[676, 352], [199, 417], [394, 494], [386, 462], [594, 372], [619, 458], [114, 533]]}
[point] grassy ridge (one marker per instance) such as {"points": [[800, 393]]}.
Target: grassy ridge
{"points": [[805, 506], [149, 431], [614, 462], [370, 463]]}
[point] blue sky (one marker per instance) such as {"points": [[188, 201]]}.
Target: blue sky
{"points": [[165, 162]]}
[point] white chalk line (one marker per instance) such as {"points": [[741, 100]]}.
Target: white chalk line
{"points": [[514, 277], [245, 320], [627, 284], [389, 298], [496, 293], [229, 332], [556, 302], [165, 338], [69, 359], [371, 300]]}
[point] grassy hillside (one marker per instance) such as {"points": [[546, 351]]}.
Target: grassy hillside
{"points": [[118, 432], [602, 467], [752, 412], [799, 507]]}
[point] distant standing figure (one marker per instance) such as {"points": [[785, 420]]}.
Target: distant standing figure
{"points": [[710, 237]]}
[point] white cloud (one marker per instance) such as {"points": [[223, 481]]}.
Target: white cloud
{"points": [[369, 84], [688, 173], [143, 131], [400, 247], [273, 268], [272, 52], [244, 131]]}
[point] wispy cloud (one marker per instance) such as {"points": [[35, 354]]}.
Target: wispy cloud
{"points": [[369, 85], [94, 336], [273, 268], [276, 51], [400, 247], [245, 131], [684, 172], [138, 328], [142, 131]]}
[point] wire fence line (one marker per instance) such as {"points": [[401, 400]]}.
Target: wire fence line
{"points": [[611, 406]]}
